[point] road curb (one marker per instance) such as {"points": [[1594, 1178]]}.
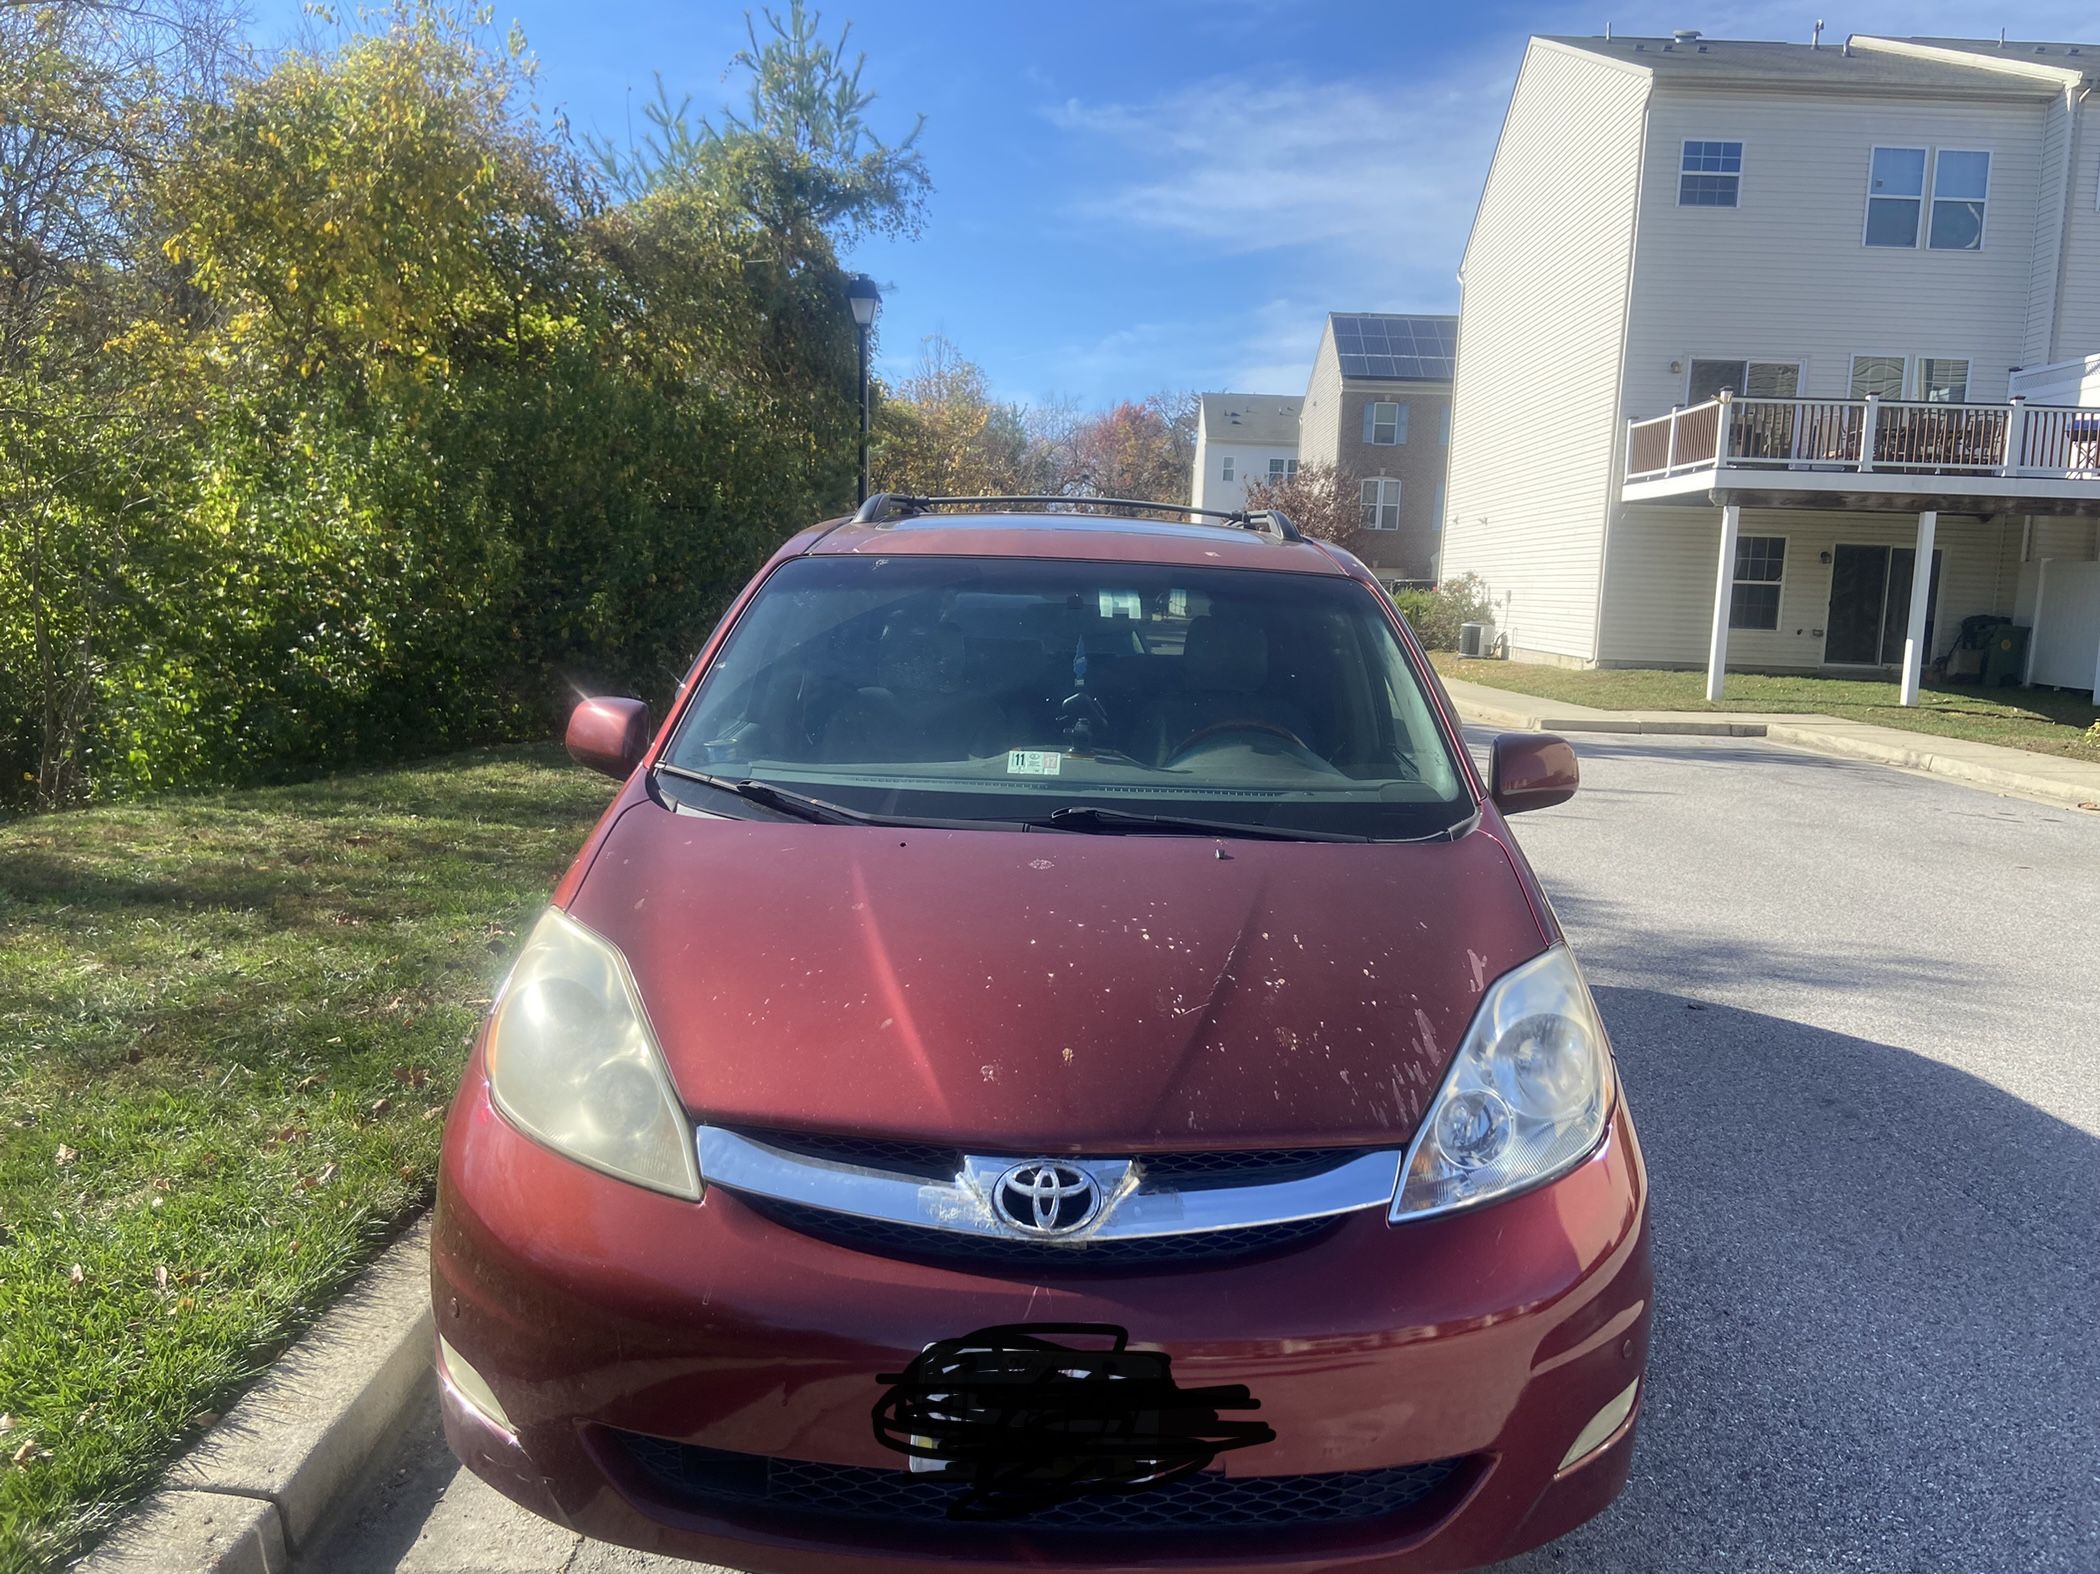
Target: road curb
{"points": [[249, 1495], [1813, 735]]}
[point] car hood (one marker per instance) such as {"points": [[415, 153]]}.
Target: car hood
{"points": [[1055, 992]]}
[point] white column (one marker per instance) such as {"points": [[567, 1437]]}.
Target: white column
{"points": [[1920, 595], [1724, 584]]}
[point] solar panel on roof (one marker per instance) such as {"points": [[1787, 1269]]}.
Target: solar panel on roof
{"points": [[1423, 348]]}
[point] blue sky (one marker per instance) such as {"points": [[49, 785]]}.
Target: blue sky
{"points": [[1133, 195]]}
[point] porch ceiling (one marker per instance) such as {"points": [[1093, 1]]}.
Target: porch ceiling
{"points": [[1874, 492]]}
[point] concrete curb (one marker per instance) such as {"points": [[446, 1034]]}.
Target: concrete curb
{"points": [[1484, 714], [1820, 735], [250, 1493], [1813, 734]]}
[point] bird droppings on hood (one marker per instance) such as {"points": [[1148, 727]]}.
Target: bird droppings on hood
{"points": [[1068, 1056], [1041, 863], [1479, 965], [1425, 1033], [989, 1073]]}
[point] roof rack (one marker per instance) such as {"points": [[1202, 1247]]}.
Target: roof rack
{"points": [[882, 507]]}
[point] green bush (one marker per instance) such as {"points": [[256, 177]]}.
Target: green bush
{"points": [[399, 425], [1435, 615]]}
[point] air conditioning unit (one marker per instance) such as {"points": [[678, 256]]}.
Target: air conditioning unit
{"points": [[1472, 640]]}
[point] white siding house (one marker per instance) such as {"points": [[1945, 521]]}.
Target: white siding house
{"points": [[1240, 437], [1759, 237]]}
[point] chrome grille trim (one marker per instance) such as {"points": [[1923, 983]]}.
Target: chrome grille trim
{"points": [[961, 1204]]}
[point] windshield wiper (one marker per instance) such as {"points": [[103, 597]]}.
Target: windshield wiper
{"points": [[781, 799], [1096, 820], [822, 811]]}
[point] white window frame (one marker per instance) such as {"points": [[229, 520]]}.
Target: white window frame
{"points": [[1225, 471], [1903, 383], [1786, 556], [1799, 365], [1923, 199], [1377, 503], [1932, 198], [1282, 469], [1968, 383], [1399, 423], [1737, 177]]}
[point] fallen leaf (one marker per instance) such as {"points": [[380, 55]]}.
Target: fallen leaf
{"points": [[380, 1107], [134, 1055], [66, 1155], [77, 1274], [7, 1423], [160, 1277], [308, 1084], [435, 1112], [410, 1076], [407, 1172], [30, 1450]]}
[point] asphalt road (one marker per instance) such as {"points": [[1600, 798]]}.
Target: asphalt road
{"points": [[1858, 1014]]}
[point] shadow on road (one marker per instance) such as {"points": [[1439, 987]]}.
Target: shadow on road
{"points": [[1875, 1308]]}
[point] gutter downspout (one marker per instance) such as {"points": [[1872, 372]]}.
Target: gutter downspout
{"points": [[1616, 445], [2063, 233]]}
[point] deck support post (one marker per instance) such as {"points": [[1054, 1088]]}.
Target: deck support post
{"points": [[1920, 596], [1724, 586]]}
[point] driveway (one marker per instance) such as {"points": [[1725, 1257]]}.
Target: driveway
{"points": [[1858, 1014]]}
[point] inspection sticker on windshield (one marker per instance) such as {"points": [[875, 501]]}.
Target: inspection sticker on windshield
{"points": [[1033, 762]]}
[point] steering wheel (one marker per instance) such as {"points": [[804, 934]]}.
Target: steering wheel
{"points": [[1243, 725]]}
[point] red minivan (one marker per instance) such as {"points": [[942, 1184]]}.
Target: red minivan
{"points": [[1051, 1060]]}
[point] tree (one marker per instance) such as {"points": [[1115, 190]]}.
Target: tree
{"points": [[801, 159], [939, 433], [1321, 500], [1141, 449]]}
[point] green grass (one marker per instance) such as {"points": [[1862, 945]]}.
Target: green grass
{"points": [[229, 1025], [2042, 721]]}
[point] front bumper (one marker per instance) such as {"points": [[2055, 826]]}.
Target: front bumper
{"points": [[598, 1312]]}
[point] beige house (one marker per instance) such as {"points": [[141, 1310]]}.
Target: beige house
{"points": [[1378, 408], [1748, 334]]}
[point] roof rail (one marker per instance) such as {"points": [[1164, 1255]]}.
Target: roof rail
{"points": [[885, 506]]}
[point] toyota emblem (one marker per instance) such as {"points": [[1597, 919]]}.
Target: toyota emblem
{"points": [[1046, 1197]]}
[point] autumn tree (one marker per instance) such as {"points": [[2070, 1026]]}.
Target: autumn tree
{"points": [[1138, 449], [940, 433], [1319, 499]]}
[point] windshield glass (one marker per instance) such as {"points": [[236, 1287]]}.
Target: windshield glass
{"points": [[1008, 688]]}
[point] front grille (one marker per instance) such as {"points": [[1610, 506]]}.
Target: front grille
{"points": [[971, 1250], [1161, 1171], [703, 1477]]}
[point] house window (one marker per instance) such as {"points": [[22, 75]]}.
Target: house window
{"points": [[1753, 598], [1877, 374], [1281, 469], [1381, 504], [1225, 471], [1943, 381], [1751, 379], [1960, 183], [1709, 174], [1895, 196], [1385, 424]]}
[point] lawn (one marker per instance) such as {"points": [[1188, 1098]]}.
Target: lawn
{"points": [[229, 1025], [2043, 721]]}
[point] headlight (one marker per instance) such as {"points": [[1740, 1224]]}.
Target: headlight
{"points": [[1525, 1098], [572, 1062]]}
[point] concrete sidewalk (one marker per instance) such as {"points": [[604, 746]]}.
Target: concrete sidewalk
{"points": [[2046, 778]]}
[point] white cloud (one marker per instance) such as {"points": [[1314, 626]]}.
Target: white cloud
{"points": [[1373, 184]]}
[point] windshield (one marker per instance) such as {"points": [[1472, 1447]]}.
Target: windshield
{"points": [[1006, 689]]}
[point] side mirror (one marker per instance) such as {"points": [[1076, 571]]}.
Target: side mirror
{"points": [[609, 735], [1531, 770]]}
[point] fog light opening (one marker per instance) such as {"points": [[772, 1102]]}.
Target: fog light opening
{"points": [[1602, 1425], [471, 1386]]}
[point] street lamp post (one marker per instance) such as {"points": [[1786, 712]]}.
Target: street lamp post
{"points": [[866, 300]]}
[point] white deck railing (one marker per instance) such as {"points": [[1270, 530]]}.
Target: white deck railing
{"points": [[1859, 435]]}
